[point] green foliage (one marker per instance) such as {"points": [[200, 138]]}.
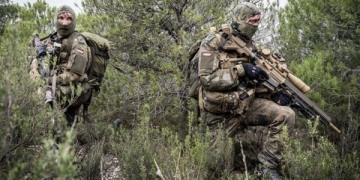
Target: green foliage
{"points": [[7, 14], [159, 136], [312, 156], [150, 40], [37, 18], [319, 78], [320, 25], [323, 37], [162, 154], [56, 162]]}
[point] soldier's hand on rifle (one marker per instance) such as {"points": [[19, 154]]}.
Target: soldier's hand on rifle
{"points": [[254, 73], [40, 48], [48, 96], [281, 97]]}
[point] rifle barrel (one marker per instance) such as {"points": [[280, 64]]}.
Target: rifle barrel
{"points": [[312, 107]]}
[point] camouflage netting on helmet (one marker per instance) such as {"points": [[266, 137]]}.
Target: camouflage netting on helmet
{"points": [[239, 15]]}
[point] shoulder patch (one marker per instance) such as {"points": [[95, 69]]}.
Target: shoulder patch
{"points": [[209, 38], [81, 40]]}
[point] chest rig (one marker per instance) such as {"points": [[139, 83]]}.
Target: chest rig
{"points": [[223, 91], [63, 49]]}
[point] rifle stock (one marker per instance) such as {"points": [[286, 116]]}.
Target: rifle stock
{"points": [[279, 77]]}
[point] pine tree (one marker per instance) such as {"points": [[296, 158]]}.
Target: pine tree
{"points": [[324, 36], [7, 13], [150, 41]]}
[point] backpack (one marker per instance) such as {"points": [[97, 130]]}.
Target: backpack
{"points": [[99, 47], [192, 71]]}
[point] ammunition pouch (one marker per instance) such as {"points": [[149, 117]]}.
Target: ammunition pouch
{"points": [[85, 87], [194, 88], [227, 102], [68, 92], [221, 80]]}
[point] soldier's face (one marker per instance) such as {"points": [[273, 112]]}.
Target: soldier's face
{"points": [[65, 18], [254, 20]]}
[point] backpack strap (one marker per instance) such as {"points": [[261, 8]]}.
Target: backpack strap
{"points": [[103, 54], [67, 48], [201, 99]]}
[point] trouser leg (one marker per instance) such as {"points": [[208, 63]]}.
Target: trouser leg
{"points": [[74, 108], [221, 152], [86, 107], [263, 112]]}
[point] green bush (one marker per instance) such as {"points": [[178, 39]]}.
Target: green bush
{"points": [[159, 136], [313, 156]]}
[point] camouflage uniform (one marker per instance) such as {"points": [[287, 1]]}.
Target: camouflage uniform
{"points": [[230, 113], [261, 112], [72, 62], [76, 76]]}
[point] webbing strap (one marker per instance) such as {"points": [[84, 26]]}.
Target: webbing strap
{"points": [[225, 41], [201, 98], [67, 47], [101, 53]]}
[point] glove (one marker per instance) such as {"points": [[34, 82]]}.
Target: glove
{"points": [[48, 96], [41, 51], [281, 97], [254, 72]]}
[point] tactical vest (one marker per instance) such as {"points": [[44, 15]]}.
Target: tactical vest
{"points": [[72, 60], [63, 53], [78, 66], [222, 90]]}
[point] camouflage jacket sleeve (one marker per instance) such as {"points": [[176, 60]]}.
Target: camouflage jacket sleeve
{"points": [[74, 71], [212, 74]]}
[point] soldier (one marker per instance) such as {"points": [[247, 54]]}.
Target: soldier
{"points": [[71, 61], [228, 96]]}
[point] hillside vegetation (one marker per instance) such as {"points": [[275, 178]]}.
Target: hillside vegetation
{"points": [[142, 123]]}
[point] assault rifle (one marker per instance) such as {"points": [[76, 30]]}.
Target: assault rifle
{"points": [[278, 78], [44, 46], [43, 66]]}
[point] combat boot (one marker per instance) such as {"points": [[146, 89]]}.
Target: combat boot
{"points": [[268, 174]]}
